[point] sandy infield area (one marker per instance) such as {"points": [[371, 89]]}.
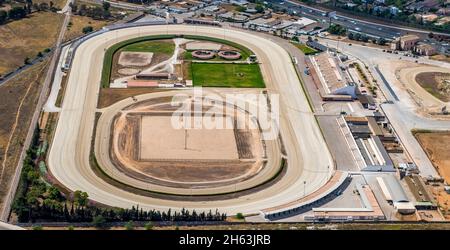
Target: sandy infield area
{"points": [[159, 140], [135, 58]]}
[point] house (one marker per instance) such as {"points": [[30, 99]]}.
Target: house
{"points": [[425, 50], [177, 9], [233, 17], [239, 2], [404, 42], [251, 8]]}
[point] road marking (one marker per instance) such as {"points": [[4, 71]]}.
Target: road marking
{"points": [[350, 107]]}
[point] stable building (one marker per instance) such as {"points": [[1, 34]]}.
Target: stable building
{"points": [[394, 194]]}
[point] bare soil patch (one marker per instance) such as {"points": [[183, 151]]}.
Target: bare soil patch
{"points": [[436, 83], [160, 140], [128, 71], [110, 96], [437, 147], [139, 59]]}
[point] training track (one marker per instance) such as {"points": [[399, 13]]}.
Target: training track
{"points": [[310, 164]]}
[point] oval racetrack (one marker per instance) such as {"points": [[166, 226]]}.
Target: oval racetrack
{"points": [[309, 161]]}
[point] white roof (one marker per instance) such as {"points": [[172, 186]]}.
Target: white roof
{"points": [[303, 21]]}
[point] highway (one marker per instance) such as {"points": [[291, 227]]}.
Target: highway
{"points": [[309, 162], [353, 24]]}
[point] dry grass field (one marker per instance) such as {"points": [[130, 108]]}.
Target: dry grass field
{"points": [[26, 37], [57, 3], [79, 22], [19, 97]]}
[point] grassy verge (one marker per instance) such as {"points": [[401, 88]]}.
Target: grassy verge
{"points": [[422, 131], [227, 75], [153, 46], [305, 49]]}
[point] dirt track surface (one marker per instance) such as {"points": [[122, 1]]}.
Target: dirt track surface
{"points": [[308, 157], [144, 140], [406, 80], [155, 175], [436, 82]]}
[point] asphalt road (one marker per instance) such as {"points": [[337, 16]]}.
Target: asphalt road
{"points": [[309, 160]]}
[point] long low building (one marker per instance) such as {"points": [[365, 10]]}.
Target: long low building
{"points": [[394, 194], [370, 209]]}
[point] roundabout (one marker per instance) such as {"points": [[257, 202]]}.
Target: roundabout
{"points": [[85, 133]]}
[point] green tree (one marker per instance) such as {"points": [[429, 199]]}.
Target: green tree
{"points": [[80, 198], [87, 29], [99, 221], [3, 16], [129, 225], [106, 6], [148, 226], [32, 175], [381, 41], [259, 8], [240, 8], [337, 29], [17, 12], [240, 216], [54, 194]]}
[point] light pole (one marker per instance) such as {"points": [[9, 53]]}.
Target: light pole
{"points": [[304, 189]]}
